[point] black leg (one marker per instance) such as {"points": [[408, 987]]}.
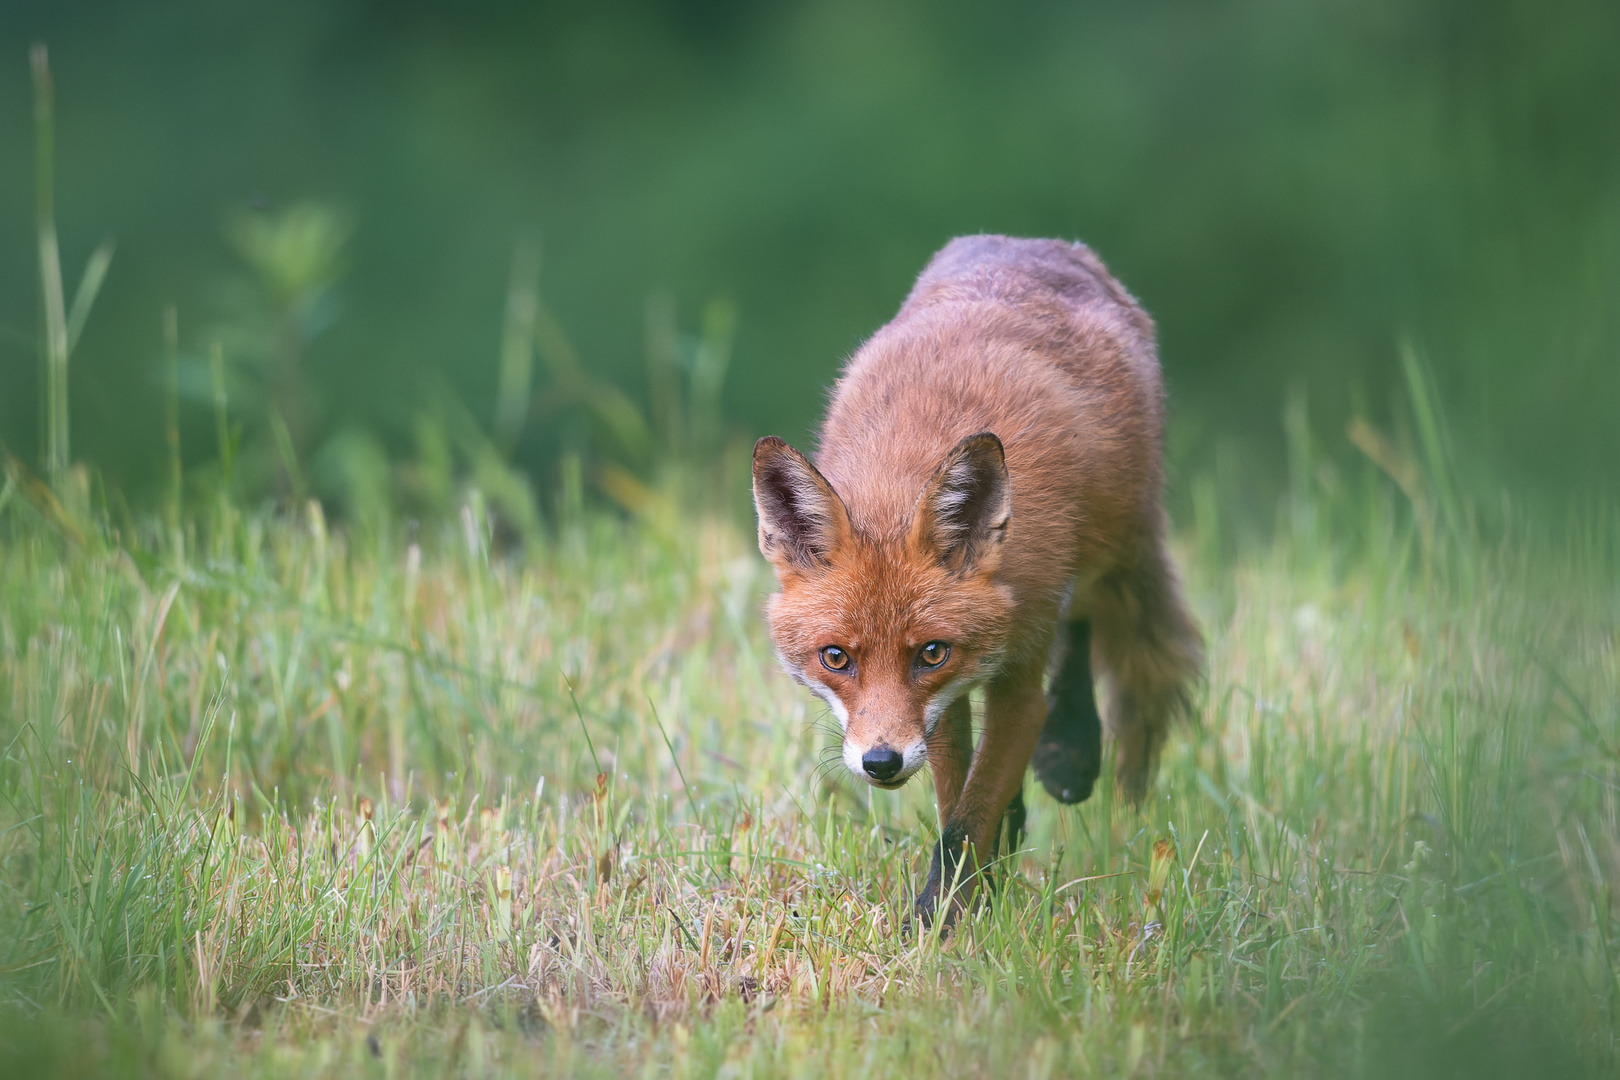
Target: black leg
{"points": [[948, 854], [943, 873], [1068, 756], [1013, 824]]}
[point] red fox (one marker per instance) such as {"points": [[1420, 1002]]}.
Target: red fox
{"points": [[984, 510]]}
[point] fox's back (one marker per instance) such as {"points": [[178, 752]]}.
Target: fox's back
{"points": [[1032, 340]]}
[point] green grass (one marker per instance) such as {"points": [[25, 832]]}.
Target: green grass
{"points": [[1389, 838]]}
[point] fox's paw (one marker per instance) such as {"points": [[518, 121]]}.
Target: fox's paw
{"points": [[933, 911], [951, 883], [1067, 770], [1132, 775]]}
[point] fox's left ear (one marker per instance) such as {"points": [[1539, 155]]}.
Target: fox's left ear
{"points": [[963, 511]]}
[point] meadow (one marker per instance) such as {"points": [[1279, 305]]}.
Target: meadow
{"points": [[351, 729], [284, 798]]}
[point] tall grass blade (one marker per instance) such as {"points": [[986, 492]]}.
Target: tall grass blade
{"points": [[288, 454], [1433, 434], [57, 446], [171, 414], [95, 272], [517, 345], [222, 415], [691, 803], [663, 372], [709, 373], [579, 715]]}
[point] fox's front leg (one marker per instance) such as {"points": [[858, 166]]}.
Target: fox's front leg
{"points": [[950, 755], [1015, 709]]}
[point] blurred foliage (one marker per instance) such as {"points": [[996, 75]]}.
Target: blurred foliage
{"points": [[1291, 189], [268, 317]]}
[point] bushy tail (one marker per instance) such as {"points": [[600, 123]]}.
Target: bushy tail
{"points": [[1153, 654]]}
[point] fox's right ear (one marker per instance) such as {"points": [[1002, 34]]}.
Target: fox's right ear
{"points": [[801, 518]]}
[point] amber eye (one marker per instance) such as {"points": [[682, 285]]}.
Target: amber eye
{"points": [[934, 654], [834, 659]]}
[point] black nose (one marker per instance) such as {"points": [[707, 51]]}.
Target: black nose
{"points": [[880, 764]]}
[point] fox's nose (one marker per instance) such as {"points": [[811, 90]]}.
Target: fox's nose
{"points": [[881, 764]]}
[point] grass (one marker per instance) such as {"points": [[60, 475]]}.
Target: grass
{"points": [[282, 800]]}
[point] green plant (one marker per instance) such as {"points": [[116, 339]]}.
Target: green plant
{"points": [[62, 324]]}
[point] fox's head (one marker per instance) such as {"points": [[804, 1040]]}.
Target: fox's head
{"points": [[889, 629]]}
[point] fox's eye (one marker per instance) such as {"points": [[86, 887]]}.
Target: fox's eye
{"points": [[834, 659], [934, 654]]}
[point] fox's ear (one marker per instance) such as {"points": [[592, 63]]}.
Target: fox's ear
{"points": [[801, 518], [963, 510]]}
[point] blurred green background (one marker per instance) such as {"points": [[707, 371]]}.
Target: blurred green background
{"points": [[1291, 188]]}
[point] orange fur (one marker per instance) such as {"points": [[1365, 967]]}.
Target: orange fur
{"points": [[989, 465]]}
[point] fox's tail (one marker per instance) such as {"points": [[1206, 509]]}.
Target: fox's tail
{"points": [[1151, 650]]}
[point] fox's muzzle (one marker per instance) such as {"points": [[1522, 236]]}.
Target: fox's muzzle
{"points": [[881, 765]]}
